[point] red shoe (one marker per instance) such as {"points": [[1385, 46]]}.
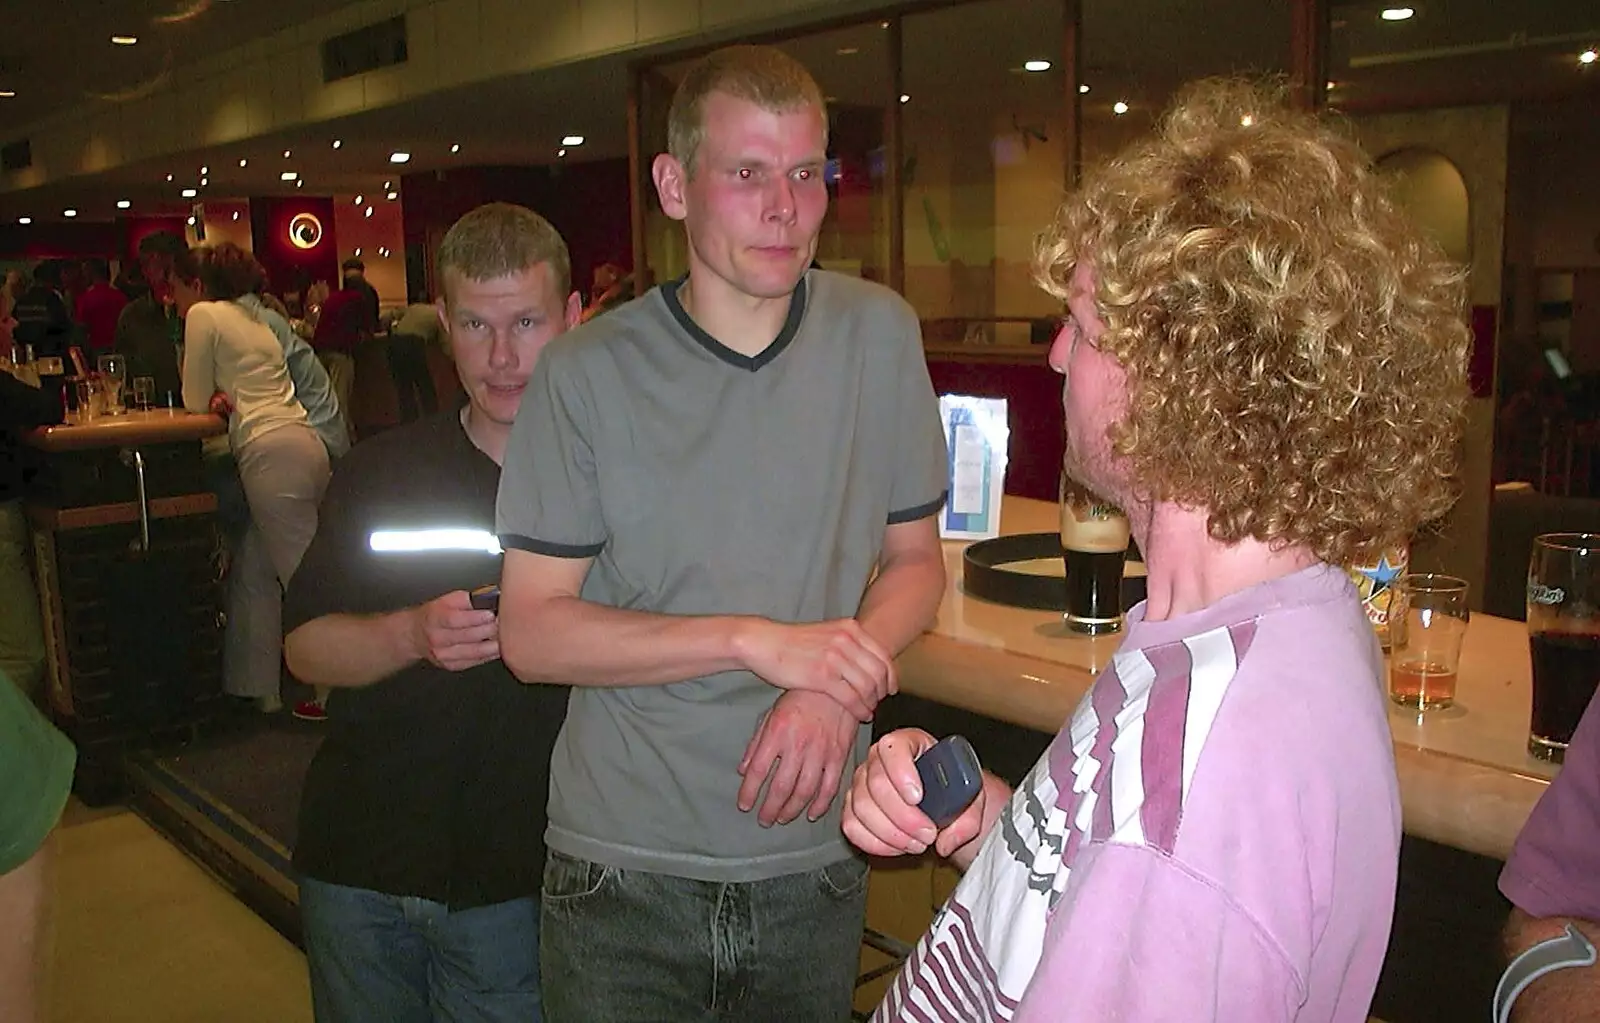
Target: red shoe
{"points": [[310, 710]]}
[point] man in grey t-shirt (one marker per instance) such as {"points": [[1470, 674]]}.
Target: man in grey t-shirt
{"points": [[718, 506]]}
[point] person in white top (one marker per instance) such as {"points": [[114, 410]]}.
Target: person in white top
{"points": [[233, 364]]}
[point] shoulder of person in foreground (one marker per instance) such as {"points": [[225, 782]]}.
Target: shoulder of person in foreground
{"points": [[1264, 843], [856, 299]]}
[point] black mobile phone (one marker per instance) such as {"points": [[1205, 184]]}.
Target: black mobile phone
{"points": [[486, 598], [951, 779]]}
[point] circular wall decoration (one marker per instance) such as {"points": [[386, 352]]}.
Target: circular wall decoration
{"points": [[305, 231]]}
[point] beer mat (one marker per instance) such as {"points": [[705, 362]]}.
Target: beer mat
{"points": [[1027, 570]]}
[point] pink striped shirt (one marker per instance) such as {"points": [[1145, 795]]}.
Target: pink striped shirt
{"points": [[1213, 836]]}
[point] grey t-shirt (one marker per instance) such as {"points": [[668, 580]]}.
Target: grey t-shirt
{"points": [[706, 482]]}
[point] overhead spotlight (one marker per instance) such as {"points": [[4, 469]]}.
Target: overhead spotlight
{"points": [[1036, 65], [1082, 89], [244, 163], [399, 157], [123, 204], [358, 250], [561, 152], [286, 154], [1588, 56], [388, 185], [455, 147], [337, 143], [572, 140], [1119, 108], [299, 184], [288, 176], [204, 182], [392, 196], [69, 212], [358, 200], [905, 97], [24, 220], [125, 40], [235, 214], [1396, 13], [169, 177], [368, 213], [204, 171], [189, 193]]}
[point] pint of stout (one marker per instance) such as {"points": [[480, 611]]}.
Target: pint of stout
{"points": [[1094, 541]]}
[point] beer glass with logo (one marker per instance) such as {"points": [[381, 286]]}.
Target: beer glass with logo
{"points": [[1094, 541], [1563, 637]]}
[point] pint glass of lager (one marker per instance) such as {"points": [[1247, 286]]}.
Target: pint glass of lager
{"points": [[1094, 542], [1563, 637]]}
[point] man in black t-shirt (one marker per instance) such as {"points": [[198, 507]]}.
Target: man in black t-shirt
{"points": [[422, 823], [41, 313]]}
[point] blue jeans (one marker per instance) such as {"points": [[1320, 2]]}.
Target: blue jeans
{"points": [[619, 946], [378, 958]]}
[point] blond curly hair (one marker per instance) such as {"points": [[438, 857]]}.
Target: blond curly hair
{"points": [[1295, 347]]}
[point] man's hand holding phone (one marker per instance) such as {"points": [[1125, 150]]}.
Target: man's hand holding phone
{"points": [[883, 813], [449, 632]]}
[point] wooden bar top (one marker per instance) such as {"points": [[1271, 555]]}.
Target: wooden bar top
{"points": [[157, 426], [1466, 778]]}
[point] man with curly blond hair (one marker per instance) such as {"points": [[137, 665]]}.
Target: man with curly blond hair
{"points": [[1265, 367]]}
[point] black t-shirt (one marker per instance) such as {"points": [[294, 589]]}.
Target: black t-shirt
{"points": [[42, 321], [430, 783]]}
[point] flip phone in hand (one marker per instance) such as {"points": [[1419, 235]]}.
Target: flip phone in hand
{"points": [[486, 598], [951, 779]]}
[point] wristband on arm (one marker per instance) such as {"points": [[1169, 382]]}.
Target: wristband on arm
{"points": [[1560, 953]]}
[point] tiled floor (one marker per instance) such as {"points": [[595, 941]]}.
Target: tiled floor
{"points": [[142, 933]]}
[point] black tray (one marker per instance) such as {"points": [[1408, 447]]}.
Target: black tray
{"points": [[984, 573]]}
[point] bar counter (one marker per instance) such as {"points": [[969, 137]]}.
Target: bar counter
{"points": [[127, 556], [1466, 779]]}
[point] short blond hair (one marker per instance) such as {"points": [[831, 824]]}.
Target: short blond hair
{"points": [[763, 75], [1295, 347], [501, 238]]}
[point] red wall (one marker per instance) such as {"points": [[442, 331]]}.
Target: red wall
{"points": [[586, 202], [61, 240], [290, 269], [1033, 411]]}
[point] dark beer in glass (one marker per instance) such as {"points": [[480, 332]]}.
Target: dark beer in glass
{"points": [[1094, 542], [1563, 637]]}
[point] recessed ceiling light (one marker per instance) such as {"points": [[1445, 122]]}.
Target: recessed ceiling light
{"points": [[337, 143], [572, 140], [399, 157], [204, 171], [7, 93], [286, 154], [1082, 89], [188, 193], [244, 163], [1588, 56], [1396, 13], [169, 177], [123, 204], [235, 214], [561, 152], [358, 250], [368, 213], [125, 40], [300, 184], [69, 212], [204, 182], [1036, 65], [24, 220], [392, 196], [847, 51], [288, 176], [905, 97], [388, 185], [455, 147], [358, 200], [1119, 107]]}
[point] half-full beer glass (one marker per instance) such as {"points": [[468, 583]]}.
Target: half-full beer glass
{"points": [[1094, 542], [1563, 637]]}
